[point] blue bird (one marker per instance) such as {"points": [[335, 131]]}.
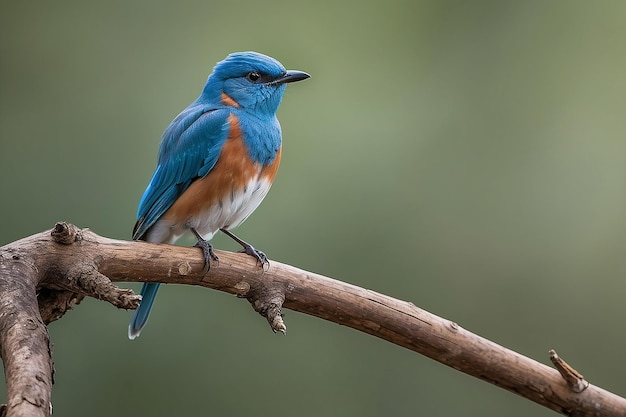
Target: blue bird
{"points": [[216, 162]]}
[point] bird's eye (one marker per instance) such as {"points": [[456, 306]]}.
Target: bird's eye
{"points": [[254, 76]]}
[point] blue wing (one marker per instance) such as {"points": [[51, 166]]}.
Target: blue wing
{"points": [[189, 150]]}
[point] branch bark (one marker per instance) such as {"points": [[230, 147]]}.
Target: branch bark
{"points": [[44, 275]]}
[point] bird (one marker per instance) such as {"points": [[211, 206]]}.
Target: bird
{"points": [[216, 162]]}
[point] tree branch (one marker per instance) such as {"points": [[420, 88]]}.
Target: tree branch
{"points": [[44, 275]]}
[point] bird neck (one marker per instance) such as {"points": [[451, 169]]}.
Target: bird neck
{"points": [[261, 134]]}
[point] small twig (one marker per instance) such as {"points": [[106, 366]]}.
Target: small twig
{"points": [[85, 279], [267, 300], [574, 379], [274, 316]]}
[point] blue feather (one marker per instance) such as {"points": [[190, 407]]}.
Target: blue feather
{"points": [[148, 294], [189, 149]]}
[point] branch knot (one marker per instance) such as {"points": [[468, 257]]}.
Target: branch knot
{"points": [[65, 233]]}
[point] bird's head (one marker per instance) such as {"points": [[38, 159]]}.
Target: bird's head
{"points": [[251, 81]]}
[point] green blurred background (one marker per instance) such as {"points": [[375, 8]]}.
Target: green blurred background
{"points": [[466, 156]]}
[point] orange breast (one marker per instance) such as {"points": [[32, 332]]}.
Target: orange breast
{"points": [[232, 172]]}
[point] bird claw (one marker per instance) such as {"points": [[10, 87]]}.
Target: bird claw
{"points": [[255, 253], [207, 250]]}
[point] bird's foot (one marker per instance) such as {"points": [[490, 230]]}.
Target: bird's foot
{"points": [[255, 253], [207, 250], [249, 249]]}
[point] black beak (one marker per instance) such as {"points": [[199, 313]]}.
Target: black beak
{"points": [[291, 76]]}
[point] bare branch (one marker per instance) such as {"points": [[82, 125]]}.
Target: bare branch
{"points": [[24, 340], [78, 262]]}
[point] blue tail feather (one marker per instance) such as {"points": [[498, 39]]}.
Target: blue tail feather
{"points": [[148, 294]]}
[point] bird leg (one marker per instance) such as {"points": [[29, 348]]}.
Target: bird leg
{"points": [[207, 250], [248, 249]]}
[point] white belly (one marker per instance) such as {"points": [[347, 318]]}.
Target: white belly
{"points": [[233, 209], [227, 213]]}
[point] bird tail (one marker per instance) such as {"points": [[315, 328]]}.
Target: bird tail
{"points": [[148, 294]]}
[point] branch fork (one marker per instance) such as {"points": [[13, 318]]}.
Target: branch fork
{"points": [[267, 300], [83, 278]]}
